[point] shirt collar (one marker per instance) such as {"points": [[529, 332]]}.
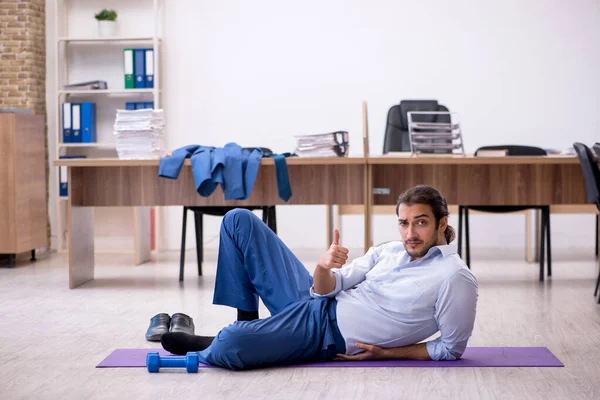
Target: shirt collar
{"points": [[446, 249]]}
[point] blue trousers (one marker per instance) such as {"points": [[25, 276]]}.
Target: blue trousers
{"points": [[253, 262]]}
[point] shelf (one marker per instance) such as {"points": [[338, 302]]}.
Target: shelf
{"points": [[106, 91], [115, 39], [80, 54], [113, 145]]}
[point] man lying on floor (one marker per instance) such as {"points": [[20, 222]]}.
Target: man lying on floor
{"points": [[379, 306]]}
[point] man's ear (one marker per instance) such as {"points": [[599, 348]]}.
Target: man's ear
{"points": [[443, 224]]}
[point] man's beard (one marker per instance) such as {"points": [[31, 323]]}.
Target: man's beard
{"points": [[426, 246]]}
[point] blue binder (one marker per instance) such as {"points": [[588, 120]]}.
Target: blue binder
{"points": [[138, 105], [88, 122], [63, 177], [76, 122], [67, 134], [149, 67], [139, 68]]}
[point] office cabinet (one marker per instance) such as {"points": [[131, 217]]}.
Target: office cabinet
{"points": [[23, 206]]}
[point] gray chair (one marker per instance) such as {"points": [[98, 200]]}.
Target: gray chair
{"points": [[591, 176]]}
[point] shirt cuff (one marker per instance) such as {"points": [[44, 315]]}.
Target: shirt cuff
{"points": [[336, 290], [438, 351]]}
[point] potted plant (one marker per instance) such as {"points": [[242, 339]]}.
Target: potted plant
{"points": [[107, 22]]}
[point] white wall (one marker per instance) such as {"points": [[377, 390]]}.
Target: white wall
{"points": [[256, 73]]}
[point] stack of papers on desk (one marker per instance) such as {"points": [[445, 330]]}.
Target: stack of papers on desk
{"points": [[334, 144], [140, 134]]}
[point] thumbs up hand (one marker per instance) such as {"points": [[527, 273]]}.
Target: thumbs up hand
{"points": [[336, 256]]}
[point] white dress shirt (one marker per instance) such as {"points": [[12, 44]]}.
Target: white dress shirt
{"points": [[385, 299]]}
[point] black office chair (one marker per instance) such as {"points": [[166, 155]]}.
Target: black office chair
{"points": [[591, 176], [397, 136], [545, 231], [596, 148], [269, 217]]}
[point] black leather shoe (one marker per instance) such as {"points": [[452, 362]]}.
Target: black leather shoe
{"points": [[182, 323], [159, 325]]}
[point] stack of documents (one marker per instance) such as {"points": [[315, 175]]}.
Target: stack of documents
{"points": [[334, 144], [140, 134], [89, 85]]}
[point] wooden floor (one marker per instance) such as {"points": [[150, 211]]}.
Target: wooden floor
{"points": [[51, 338]]}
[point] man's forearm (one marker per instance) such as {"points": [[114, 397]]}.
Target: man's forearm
{"points": [[413, 352], [323, 280]]}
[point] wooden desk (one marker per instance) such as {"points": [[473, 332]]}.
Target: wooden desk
{"points": [[344, 181], [546, 180], [110, 182]]}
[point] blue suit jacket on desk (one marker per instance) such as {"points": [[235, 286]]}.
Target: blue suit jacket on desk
{"points": [[233, 167]]}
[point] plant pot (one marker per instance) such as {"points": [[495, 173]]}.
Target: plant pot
{"points": [[107, 28]]}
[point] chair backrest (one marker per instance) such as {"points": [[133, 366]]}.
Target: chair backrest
{"points": [[596, 148], [407, 106], [591, 172], [265, 150], [396, 130], [515, 150]]}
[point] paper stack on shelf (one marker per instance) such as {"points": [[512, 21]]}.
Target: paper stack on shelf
{"points": [[334, 144], [88, 85], [140, 134]]}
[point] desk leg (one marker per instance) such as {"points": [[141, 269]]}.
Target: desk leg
{"points": [[81, 245], [329, 221], [368, 209], [532, 235], [141, 218], [337, 214]]}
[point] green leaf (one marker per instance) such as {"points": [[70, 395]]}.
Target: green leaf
{"points": [[106, 15]]}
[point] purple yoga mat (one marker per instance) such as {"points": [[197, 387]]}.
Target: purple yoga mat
{"points": [[473, 357]]}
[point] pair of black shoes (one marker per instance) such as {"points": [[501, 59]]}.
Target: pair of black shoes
{"points": [[163, 323]]}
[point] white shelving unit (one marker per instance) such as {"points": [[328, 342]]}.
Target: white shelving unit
{"points": [[107, 39], [82, 55], [105, 92]]}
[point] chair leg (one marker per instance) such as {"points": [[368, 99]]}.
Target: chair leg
{"points": [[33, 256], [467, 244], [542, 244], [182, 252], [199, 240], [273, 219], [265, 215], [597, 284], [596, 235], [548, 242], [460, 233]]}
